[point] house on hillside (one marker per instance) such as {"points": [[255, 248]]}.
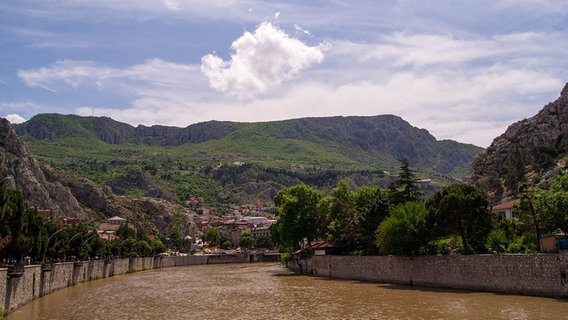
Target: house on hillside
{"points": [[506, 208], [233, 229], [55, 217], [108, 228]]}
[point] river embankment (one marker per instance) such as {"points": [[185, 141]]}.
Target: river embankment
{"points": [[543, 274], [24, 284]]}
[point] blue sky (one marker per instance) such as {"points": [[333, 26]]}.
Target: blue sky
{"points": [[463, 70]]}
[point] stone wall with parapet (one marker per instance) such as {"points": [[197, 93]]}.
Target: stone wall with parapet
{"points": [[120, 266], [139, 264], [167, 262], [3, 286], [56, 276], [531, 274], [97, 269], [22, 289]]}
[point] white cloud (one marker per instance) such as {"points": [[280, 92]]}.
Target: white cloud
{"points": [[172, 4], [15, 118], [260, 62]]}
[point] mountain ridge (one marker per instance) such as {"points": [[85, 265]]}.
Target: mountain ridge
{"points": [[370, 139]]}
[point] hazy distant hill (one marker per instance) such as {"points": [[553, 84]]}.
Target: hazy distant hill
{"points": [[530, 151], [237, 162]]}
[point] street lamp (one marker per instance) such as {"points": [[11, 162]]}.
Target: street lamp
{"points": [[47, 244]]}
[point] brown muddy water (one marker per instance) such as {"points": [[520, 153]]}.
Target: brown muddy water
{"points": [[268, 291]]}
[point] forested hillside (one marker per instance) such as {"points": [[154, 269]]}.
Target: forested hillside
{"points": [[230, 162]]}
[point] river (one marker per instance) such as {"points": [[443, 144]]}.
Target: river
{"points": [[268, 291]]}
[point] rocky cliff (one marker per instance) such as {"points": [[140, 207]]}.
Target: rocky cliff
{"points": [[24, 173], [53, 126], [530, 151], [48, 188]]}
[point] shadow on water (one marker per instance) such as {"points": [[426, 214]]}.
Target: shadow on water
{"points": [[411, 287], [403, 287], [282, 273]]}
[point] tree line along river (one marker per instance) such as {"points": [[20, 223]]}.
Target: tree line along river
{"points": [[269, 291]]}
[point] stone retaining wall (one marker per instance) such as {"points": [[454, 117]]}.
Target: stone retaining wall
{"points": [[3, 286], [120, 266], [534, 274], [167, 262], [57, 276], [23, 289]]}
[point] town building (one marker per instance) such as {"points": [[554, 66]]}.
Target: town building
{"points": [[506, 208]]}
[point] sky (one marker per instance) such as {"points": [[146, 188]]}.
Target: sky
{"points": [[463, 70]]}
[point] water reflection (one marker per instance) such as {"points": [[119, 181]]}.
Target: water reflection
{"points": [[267, 291]]}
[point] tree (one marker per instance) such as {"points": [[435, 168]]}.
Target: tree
{"points": [[212, 237], [263, 242], [552, 205], [157, 246], [402, 233], [372, 205], [17, 223], [176, 238], [247, 241], [460, 209], [124, 232], [527, 209], [405, 187], [342, 218], [297, 216]]}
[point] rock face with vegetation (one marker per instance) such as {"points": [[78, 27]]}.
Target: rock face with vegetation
{"points": [[23, 172], [530, 151], [45, 187]]}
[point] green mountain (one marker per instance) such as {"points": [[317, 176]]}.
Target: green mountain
{"points": [[230, 162]]}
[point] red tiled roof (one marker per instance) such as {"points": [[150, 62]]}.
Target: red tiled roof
{"points": [[320, 245], [505, 205]]}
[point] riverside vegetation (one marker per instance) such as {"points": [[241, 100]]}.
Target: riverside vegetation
{"points": [[398, 220]]}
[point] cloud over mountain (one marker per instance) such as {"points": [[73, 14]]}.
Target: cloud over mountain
{"points": [[261, 60]]}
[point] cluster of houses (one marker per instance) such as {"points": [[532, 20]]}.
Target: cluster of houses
{"points": [[250, 218], [246, 218]]}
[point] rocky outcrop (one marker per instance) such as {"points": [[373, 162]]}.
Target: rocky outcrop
{"points": [[24, 173], [48, 188], [56, 126], [530, 151], [137, 179]]}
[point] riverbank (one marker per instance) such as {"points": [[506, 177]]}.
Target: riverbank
{"points": [[23, 285], [544, 274]]}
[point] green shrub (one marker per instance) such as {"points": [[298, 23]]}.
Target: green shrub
{"points": [[286, 257], [515, 248], [496, 240]]}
